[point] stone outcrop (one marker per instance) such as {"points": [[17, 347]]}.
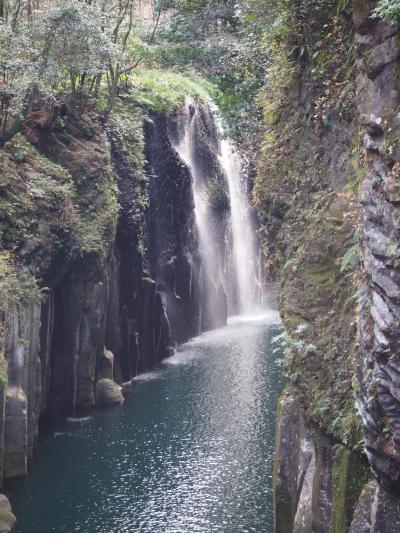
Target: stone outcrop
{"points": [[375, 357], [176, 258], [316, 482], [173, 243], [377, 511]]}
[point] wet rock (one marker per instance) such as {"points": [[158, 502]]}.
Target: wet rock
{"points": [[108, 393], [385, 515], [7, 518], [379, 365], [173, 242], [376, 511], [315, 480], [15, 433], [106, 366], [361, 522], [382, 55], [301, 475]]}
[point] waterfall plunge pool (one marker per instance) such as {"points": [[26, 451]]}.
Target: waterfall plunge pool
{"points": [[190, 451]]}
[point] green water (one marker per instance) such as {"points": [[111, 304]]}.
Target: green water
{"points": [[190, 451]]}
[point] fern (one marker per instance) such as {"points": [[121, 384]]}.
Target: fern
{"points": [[387, 10], [350, 259]]}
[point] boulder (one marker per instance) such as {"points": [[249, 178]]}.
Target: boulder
{"points": [[108, 393], [7, 518]]}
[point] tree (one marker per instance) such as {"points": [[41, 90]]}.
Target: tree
{"points": [[55, 43]]}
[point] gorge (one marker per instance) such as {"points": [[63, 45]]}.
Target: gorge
{"points": [[199, 266], [163, 275]]}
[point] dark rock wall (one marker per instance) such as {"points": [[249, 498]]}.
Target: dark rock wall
{"points": [[378, 96], [173, 243], [194, 301]]}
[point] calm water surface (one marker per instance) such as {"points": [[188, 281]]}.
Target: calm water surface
{"points": [[190, 451]]}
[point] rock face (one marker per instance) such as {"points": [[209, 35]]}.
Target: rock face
{"points": [[316, 483], [177, 262], [304, 501], [377, 511], [173, 243], [378, 49]]}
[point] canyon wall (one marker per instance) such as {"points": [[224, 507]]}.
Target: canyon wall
{"points": [[107, 271], [328, 193]]}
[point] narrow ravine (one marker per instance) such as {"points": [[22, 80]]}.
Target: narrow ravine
{"points": [[191, 450]]}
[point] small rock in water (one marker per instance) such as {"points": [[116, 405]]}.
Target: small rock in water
{"points": [[108, 393], [7, 518]]}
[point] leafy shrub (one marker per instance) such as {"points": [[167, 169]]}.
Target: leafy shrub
{"points": [[164, 90]]}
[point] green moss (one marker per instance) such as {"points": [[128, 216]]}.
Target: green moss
{"points": [[3, 368], [283, 504], [164, 91], [320, 311], [349, 475], [16, 285]]}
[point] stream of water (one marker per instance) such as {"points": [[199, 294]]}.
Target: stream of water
{"points": [[190, 451]]}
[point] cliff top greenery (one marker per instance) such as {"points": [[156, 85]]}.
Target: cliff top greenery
{"points": [[163, 90]]}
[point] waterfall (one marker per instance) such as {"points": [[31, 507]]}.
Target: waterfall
{"points": [[244, 250], [213, 295], [231, 259]]}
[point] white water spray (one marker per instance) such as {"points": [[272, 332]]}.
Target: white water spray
{"points": [[244, 250], [203, 216], [243, 253]]}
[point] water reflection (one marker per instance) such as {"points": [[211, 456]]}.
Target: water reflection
{"points": [[191, 451]]}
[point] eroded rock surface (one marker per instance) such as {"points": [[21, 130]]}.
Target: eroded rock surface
{"points": [[118, 253], [378, 99], [316, 482]]}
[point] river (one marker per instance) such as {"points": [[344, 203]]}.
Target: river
{"points": [[190, 451]]}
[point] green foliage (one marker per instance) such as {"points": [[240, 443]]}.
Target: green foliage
{"points": [[41, 52], [349, 475], [163, 91], [350, 259], [70, 46], [16, 284], [388, 10], [220, 39], [29, 185]]}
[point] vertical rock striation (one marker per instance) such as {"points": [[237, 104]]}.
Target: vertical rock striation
{"points": [[378, 98], [310, 497]]}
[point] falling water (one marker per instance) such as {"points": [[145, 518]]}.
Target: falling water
{"points": [[203, 216], [243, 250]]}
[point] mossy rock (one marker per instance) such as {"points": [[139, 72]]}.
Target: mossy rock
{"points": [[349, 475]]}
